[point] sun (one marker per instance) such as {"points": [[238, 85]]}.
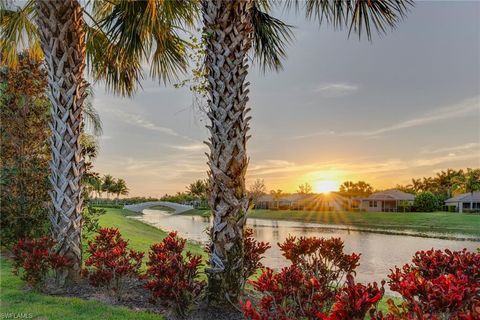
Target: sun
{"points": [[326, 186]]}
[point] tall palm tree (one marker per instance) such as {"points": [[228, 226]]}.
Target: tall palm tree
{"points": [[231, 29], [121, 34]]}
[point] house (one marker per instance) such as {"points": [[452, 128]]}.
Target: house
{"points": [[465, 202], [387, 201], [312, 202]]}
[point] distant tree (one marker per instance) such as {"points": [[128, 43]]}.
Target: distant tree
{"points": [[120, 188], [426, 202], [356, 189], [107, 185], [256, 190], [305, 188], [407, 188], [199, 189]]}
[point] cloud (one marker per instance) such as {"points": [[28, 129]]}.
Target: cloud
{"points": [[463, 108], [190, 147], [332, 90], [462, 147]]}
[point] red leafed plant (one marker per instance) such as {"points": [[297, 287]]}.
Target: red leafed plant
{"points": [[322, 259], [111, 262], [253, 253], [36, 257], [172, 277], [313, 284], [438, 285], [355, 300]]}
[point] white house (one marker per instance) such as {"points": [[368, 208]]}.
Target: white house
{"points": [[387, 201], [465, 202]]}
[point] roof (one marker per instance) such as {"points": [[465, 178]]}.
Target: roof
{"points": [[391, 195], [466, 197]]}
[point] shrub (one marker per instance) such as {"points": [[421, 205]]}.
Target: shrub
{"points": [[314, 286], [253, 253], [322, 259], [172, 277], [110, 262], [438, 285], [36, 257], [426, 202]]}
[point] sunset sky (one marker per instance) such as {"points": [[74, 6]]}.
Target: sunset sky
{"points": [[406, 105]]}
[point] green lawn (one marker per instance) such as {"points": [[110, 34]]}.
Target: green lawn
{"points": [[15, 300], [442, 222]]}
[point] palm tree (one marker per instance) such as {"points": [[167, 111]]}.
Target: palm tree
{"points": [[231, 29], [120, 188], [120, 36], [108, 184]]}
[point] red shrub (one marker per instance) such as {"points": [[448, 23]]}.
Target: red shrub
{"points": [[110, 261], [36, 258], [438, 285], [312, 284], [322, 259], [171, 277], [356, 300], [253, 253]]}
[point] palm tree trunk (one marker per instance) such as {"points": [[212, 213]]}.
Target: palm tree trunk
{"points": [[228, 28], [63, 42]]}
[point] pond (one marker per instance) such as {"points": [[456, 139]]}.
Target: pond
{"points": [[379, 252]]}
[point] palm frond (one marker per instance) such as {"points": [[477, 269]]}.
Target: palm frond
{"points": [[18, 32], [358, 16], [148, 30], [270, 38], [109, 62], [91, 115]]}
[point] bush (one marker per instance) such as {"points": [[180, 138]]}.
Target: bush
{"points": [[253, 253], [172, 277], [110, 262], [314, 286], [426, 202], [90, 219], [322, 259], [35, 258], [437, 285]]}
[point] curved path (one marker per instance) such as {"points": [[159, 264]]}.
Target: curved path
{"points": [[139, 207]]}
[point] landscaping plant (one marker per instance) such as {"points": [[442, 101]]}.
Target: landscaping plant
{"points": [[319, 284], [33, 259], [437, 285], [172, 276], [253, 253], [110, 262]]}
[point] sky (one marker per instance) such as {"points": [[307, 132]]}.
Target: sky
{"points": [[404, 105]]}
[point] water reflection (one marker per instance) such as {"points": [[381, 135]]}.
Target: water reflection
{"points": [[379, 252]]}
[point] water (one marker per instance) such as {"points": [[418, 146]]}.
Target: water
{"points": [[379, 252]]}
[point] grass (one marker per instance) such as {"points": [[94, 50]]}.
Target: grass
{"points": [[198, 212], [15, 300], [140, 235], [440, 222]]}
